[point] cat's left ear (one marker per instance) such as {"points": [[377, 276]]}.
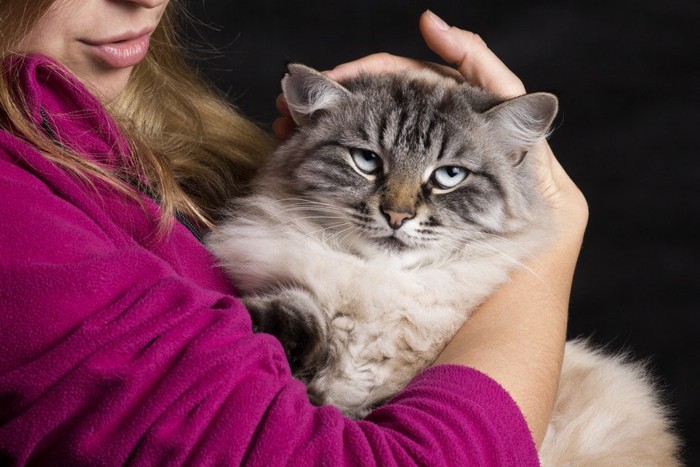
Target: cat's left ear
{"points": [[520, 122], [307, 91]]}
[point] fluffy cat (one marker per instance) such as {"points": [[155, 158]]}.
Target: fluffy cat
{"points": [[401, 202]]}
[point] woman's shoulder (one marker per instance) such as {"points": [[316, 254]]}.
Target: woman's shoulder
{"points": [[61, 107], [59, 117]]}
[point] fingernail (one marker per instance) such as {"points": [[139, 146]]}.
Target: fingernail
{"points": [[439, 22]]}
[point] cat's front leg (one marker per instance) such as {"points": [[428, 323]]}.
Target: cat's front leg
{"points": [[293, 316]]}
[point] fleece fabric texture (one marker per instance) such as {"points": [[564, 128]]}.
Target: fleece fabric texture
{"points": [[119, 346]]}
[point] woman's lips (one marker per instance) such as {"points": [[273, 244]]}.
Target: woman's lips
{"points": [[123, 53]]}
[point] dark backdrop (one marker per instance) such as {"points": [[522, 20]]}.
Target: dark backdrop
{"points": [[628, 77]]}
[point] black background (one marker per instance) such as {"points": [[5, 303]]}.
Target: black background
{"points": [[628, 77]]}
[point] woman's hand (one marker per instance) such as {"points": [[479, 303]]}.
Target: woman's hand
{"points": [[465, 50]]}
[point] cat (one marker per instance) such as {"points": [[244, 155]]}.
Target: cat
{"points": [[401, 202]]}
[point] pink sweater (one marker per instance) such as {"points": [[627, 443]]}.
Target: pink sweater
{"points": [[117, 346]]}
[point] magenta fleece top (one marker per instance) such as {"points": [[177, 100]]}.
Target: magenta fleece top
{"points": [[121, 347]]}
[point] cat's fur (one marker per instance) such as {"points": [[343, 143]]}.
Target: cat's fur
{"points": [[357, 253]]}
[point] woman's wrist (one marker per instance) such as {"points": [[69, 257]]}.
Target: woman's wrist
{"points": [[568, 206]]}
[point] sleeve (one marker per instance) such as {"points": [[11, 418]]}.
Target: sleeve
{"points": [[109, 356]]}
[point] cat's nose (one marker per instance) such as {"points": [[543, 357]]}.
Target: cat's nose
{"points": [[396, 219]]}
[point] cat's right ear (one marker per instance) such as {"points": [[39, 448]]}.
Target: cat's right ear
{"points": [[307, 91]]}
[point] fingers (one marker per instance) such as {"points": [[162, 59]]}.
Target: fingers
{"points": [[386, 63], [375, 63], [283, 127], [472, 57], [475, 62], [281, 105]]}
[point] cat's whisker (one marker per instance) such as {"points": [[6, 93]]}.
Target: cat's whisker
{"points": [[342, 240], [459, 241], [441, 248], [308, 201], [514, 262], [527, 253], [461, 237], [318, 218], [318, 234], [485, 247], [329, 227], [309, 204], [312, 208], [459, 246], [294, 219], [337, 241]]}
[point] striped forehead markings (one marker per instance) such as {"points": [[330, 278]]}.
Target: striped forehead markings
{"points": [[382, 128], [427, 141], [401, 126], [443, 146]]}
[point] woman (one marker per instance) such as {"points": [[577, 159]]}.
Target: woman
{"points": [[119, 340]]}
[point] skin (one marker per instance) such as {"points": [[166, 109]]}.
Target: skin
{"points": [[517, 336], [69, 27]]}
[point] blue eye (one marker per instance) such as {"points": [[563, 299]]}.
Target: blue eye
{"points": [[367, 161], [449, 176]]}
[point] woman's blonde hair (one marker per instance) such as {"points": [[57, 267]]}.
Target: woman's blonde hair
{"points": [[194, 149]]}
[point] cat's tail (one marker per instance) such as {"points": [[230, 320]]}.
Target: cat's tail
{"points": [[607, 413]]}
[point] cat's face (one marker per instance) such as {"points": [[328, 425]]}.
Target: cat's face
{"points": [[414, 162]]}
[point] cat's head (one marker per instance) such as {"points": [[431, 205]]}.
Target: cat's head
{"points": [[410, 161]]}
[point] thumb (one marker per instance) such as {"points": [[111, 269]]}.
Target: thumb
{"points": [[470, 54]]}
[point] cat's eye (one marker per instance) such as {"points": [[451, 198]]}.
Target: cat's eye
{"points": [[366, 161], [449, 176]]}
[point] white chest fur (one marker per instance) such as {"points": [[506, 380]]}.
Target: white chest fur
{"points": [[387, 315]]}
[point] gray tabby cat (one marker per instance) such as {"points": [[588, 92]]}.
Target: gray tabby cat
{"points": [[398, 206]]}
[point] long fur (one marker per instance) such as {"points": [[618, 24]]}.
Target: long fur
{"points": [[362, 304]]}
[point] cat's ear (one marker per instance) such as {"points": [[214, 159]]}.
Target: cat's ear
{"points": [[520, 122], [307, 91]]}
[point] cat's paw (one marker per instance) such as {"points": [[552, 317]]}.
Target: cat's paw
{"points": [[295, 318]]}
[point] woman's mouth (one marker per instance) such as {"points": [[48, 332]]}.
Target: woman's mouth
{"points": [[122, 53]]}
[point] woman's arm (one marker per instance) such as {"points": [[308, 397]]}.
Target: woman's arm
{"points": [[110, 355], [517, 336]]}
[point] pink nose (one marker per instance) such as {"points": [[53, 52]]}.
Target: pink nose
{"points": [[396, 219]]}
